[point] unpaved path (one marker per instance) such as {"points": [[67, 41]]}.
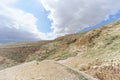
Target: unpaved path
{"points": [[45, 70]]}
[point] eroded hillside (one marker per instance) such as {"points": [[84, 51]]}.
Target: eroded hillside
{"points": [[95, 52]]}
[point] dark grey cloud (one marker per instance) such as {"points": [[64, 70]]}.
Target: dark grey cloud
{"points": [[17, 25], [14, 35]]}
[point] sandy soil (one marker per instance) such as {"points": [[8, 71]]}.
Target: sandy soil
{"points": [[45, 70]]}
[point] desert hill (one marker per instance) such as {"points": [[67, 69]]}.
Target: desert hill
{"points": [[95, 52]]}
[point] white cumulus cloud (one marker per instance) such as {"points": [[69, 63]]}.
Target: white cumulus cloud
{"points": [[69, 16]]}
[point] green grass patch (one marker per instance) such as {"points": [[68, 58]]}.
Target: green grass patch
{"points": [[74, 72], [94, 52], [89, 53], [67, 54], [110, 40], [116, 47], [59, 55], [77, 74]]}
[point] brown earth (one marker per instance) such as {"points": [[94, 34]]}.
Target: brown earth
{"points": [[45, 70]]}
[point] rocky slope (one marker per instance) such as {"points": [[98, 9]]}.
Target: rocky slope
{"points": [[95, 52], [101, 58]]}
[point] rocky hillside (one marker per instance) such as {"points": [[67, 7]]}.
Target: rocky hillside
{"points": [[100, 53], [95, 52], [16, 53]]}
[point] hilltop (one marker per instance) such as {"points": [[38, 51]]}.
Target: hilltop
{"points": [[95, 52]]}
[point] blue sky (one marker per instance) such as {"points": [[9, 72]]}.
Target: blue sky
{"points": [[34, 7], [111, 18], [33, 20], [43, 23]]}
